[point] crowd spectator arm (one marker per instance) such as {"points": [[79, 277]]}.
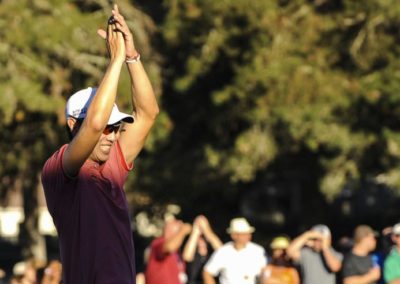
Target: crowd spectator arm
{"points": [[201, 226], [191, 245], [208, 233], [294, 249], [334, 264], [373, 275], [395, 282], [173, 243], [208, 278]]}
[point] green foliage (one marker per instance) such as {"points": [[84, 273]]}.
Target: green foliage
{"points": [[262, 80], [302, 90]]}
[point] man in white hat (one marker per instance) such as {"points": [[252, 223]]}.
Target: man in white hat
{"points": [[239, 261], [391, 270], [83, 181]]}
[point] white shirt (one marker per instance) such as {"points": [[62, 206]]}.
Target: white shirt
{"points": [[237, 266]]}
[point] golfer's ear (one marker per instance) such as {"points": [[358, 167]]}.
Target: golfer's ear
{"points": [[102, 33]]}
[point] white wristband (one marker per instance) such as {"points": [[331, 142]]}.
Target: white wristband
{"points": [[133, 59]]}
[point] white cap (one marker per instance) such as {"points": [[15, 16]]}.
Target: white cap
{"points": [[78, 104], [240, 225], [396, 229], [322, 229]]}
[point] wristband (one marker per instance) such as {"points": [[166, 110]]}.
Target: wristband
{"points": [[133, 59]]}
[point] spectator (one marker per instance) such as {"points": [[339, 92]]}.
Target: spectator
{"points": [[314, 253], [358, 265], [279, 270], [196, 252], [391, 268], [165, 264], [239, 261]]}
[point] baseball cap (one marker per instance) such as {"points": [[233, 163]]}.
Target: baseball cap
{"points": [[78, 104], [280, 242], [363, 231], [322, 229], [396, 229]]}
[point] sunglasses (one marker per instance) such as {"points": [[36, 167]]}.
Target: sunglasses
{"points": [[112, 128]]}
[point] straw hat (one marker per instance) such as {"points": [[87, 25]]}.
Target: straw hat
{"points": [[239, 225]]}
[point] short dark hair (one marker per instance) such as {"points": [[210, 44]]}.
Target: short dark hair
{"points": [[72, 133]]}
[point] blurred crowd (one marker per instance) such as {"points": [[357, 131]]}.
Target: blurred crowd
{"points": [[34, 272], [193, 254]]}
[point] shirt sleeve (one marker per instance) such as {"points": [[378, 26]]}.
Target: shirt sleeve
{"points": [[52, 179], [215, 263], [262, 258], [116, 168], [348, 269]]}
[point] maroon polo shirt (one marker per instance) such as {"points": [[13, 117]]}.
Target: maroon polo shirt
{"points": [[92, 219]]}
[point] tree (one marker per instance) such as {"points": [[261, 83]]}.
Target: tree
{"points": [[297, 90]]}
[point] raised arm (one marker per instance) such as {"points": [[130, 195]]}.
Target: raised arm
{"points": [[370, 277], [100, 108], [294, 250], [333, 262], [143, 98], [208, 233], [191, 245], [173, 243]]}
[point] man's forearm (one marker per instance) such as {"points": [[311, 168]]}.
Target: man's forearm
{"points": [[143, 97], [190, 247], [208, 278], [332, 261], [213, 239], [296, 246], [102, 103], [175, 242], [363, 279]]}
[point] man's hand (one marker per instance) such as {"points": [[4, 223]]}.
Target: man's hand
{"points": [[326, 242], [311, 235], [203, 224], [124, 29], [115, 42], [374, 273]]}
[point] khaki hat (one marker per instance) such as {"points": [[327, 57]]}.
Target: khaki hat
{"points": [[363, 231], [239, 225], [280, 243]]}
